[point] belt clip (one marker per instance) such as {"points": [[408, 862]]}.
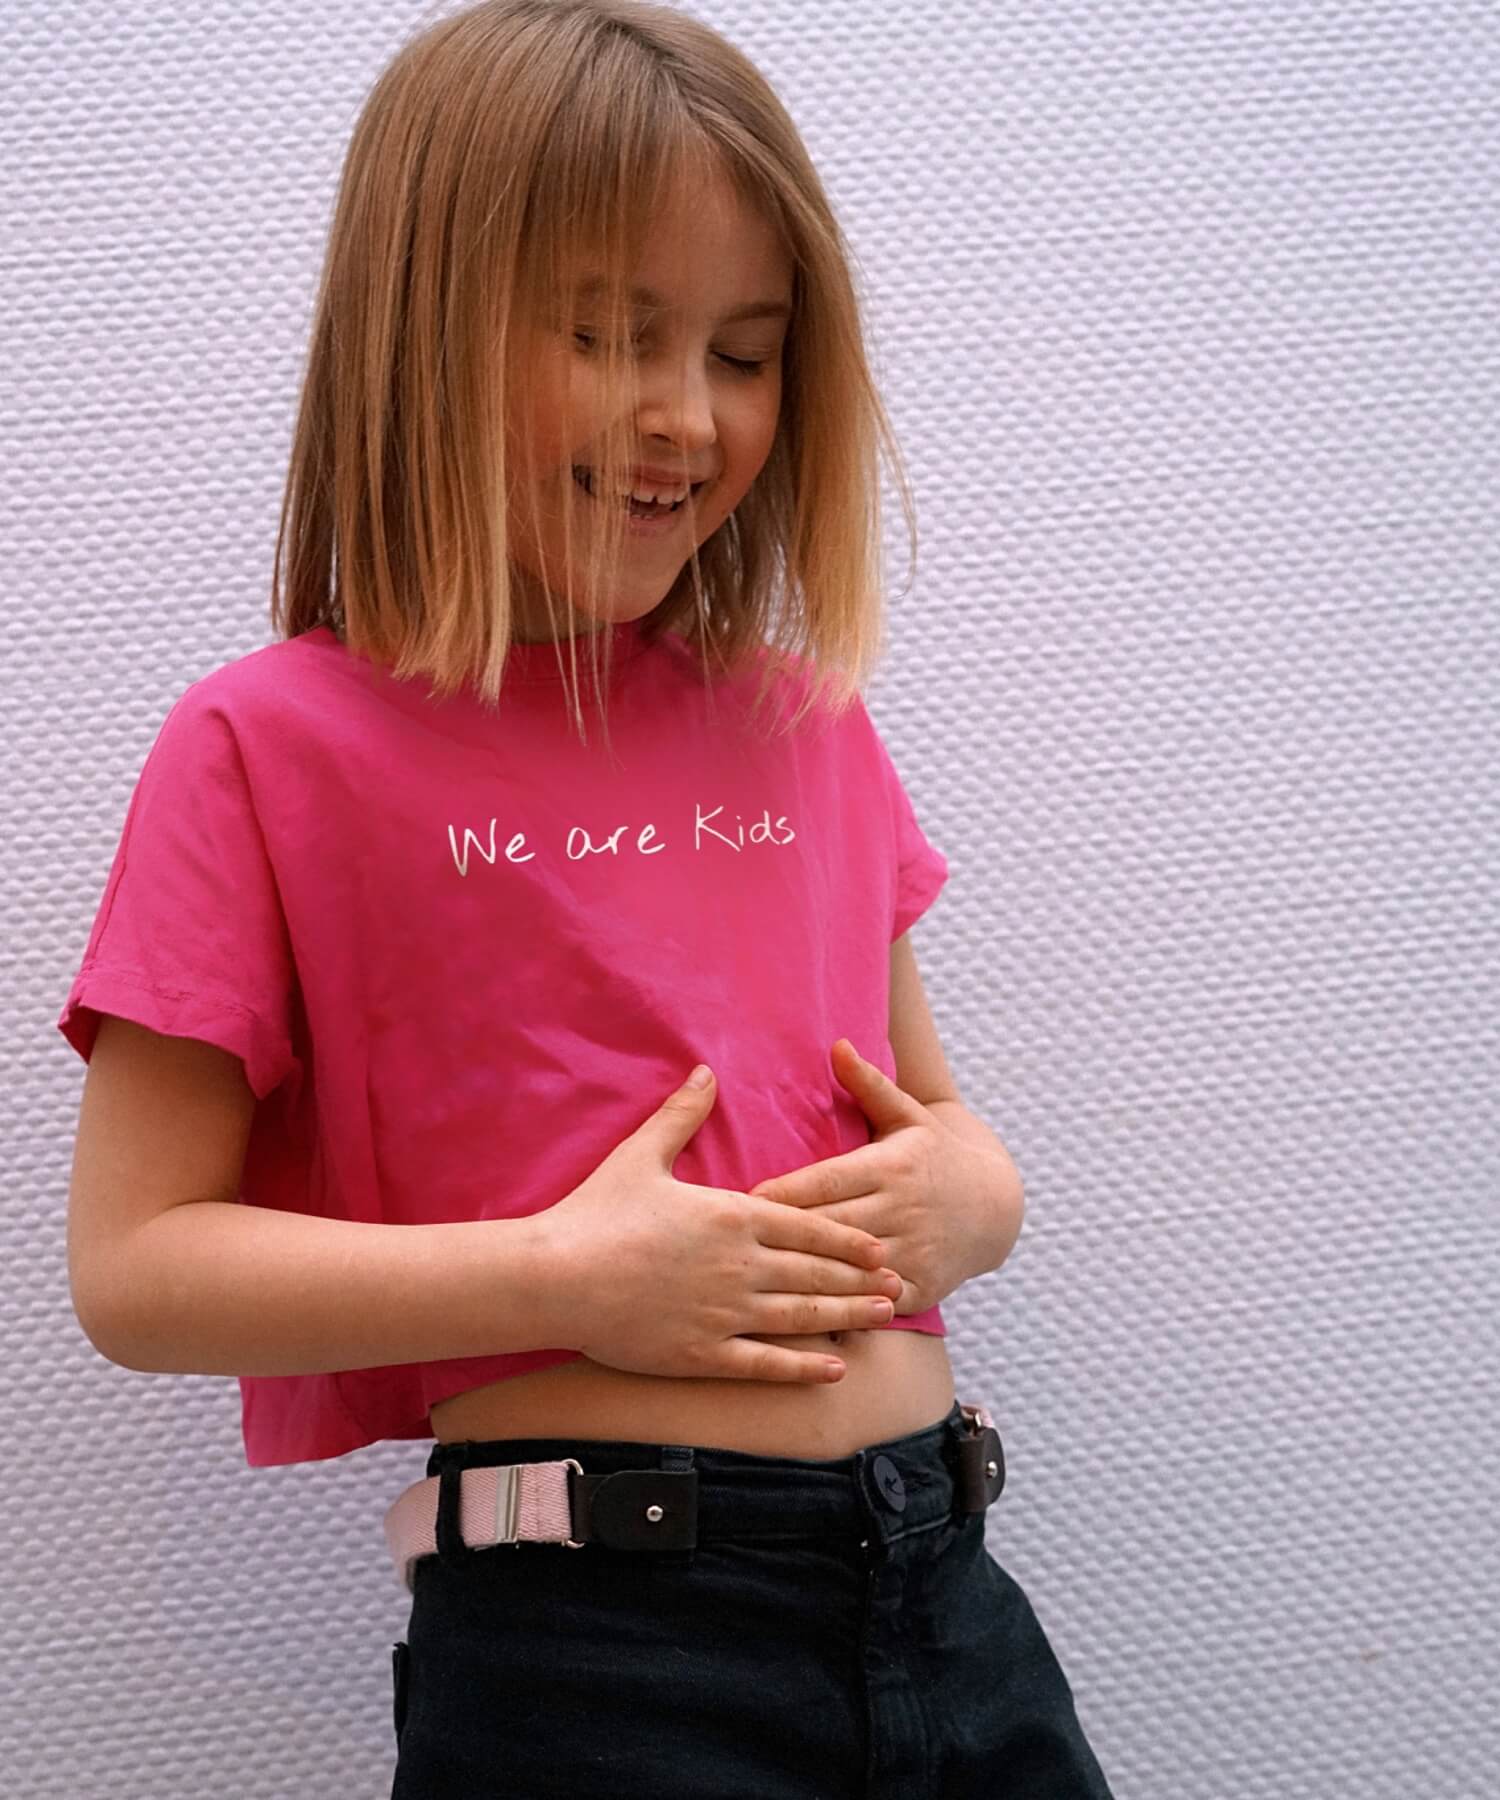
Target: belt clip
{"points": [[980, 1477], [508, 1504], [637, 1509]]}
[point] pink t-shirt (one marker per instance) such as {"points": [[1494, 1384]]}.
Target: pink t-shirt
{"points": [[462, 957]]}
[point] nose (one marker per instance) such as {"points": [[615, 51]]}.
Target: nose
{"points": [[677, 405]]}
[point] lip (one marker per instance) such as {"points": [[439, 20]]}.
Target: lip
{"points": [[649, 476]]}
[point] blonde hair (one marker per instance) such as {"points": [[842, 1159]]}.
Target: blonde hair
{"points": [[495, 145]]}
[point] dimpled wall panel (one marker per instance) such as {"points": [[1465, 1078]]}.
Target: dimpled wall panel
{"points": [[1186, 316]]}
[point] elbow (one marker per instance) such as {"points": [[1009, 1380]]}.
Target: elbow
{"points": [[98, 1335], [1015, 1187], [1015, 1218], [101, 1326], [1012, 1215]]}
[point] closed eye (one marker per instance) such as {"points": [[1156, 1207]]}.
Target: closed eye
{"points": [[739, 364]]}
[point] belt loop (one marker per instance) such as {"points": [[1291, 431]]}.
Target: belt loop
{"points": [[676, 1459], [450, 1540]]}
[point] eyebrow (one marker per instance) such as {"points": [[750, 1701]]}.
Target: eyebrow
{"points": [[644, 296]]}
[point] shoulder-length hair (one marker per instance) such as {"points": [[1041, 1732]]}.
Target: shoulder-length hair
{"points": [[497, 146]]}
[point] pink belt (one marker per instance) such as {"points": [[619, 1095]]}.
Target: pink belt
{"points": [[557, 1503]]}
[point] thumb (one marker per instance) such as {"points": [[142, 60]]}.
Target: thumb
{"points": [[685, 1108]]}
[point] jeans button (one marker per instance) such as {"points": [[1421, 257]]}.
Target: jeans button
{"points": [[891, 1487]]}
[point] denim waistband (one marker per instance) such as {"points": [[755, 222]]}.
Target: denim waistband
{"points": [[907, 1483]]}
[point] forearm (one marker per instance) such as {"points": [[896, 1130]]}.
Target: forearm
{"points": [[1002, 1229], [216, 1287], [957, 1117]]}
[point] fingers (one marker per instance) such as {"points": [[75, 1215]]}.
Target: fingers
{"points": [[743, 1359], [790, 1228], [801, 1315]]}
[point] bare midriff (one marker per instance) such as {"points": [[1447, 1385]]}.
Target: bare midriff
{"points": [[895, 1381]]}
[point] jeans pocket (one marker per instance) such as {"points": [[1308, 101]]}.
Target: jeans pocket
{"points": [[400, 1676]]}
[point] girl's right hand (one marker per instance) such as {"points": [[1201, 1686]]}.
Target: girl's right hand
{"points": [[662, 1277]]}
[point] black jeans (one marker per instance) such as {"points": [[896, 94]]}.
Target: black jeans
{"points": [[836, 1634]]}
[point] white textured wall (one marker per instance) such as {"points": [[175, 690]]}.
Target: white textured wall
{"points": [[1187, 316]]}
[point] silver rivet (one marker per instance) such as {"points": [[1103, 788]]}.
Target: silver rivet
{"points": [[991, 1468], [653, 1513]]}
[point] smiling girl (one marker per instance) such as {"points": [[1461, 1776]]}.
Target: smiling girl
{"points": [[391, 999]]}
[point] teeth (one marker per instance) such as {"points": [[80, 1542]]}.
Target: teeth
{"points": [[662, 496]]}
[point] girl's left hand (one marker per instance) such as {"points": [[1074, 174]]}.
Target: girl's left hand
{"points": [[944, 1207]]}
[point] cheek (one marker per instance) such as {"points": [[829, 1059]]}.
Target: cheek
{"points": [[763, 419], [561, 412], [752, 445], [533, 441]]}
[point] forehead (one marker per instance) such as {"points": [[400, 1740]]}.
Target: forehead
{"points": [[590, 284], [704, 250]]}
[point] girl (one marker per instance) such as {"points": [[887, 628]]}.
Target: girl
{"points": [[397, 973]]}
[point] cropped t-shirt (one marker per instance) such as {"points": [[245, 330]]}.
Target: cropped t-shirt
{"points": [[463, 956]]}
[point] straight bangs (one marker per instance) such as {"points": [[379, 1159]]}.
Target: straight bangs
{"points": [[506, 159]]}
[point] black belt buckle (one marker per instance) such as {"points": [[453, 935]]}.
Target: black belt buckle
{"points": [[636, 1509], [980, 1475]]}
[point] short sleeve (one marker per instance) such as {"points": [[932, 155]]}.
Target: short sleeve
{"points": [[190, 938], [921, 869]]}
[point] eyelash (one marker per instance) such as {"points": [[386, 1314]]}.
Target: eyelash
{"points": [[740, 365]]}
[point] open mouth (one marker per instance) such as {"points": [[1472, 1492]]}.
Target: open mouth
{"points": [[638, 509]]}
